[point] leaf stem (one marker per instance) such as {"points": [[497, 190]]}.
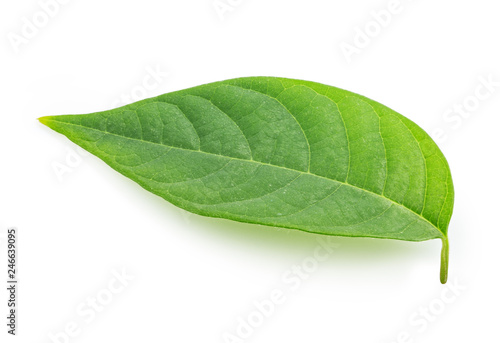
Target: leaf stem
{"points": [[445, 252]]}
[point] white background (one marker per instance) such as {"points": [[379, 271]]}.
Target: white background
{"points": [[194, 277]]}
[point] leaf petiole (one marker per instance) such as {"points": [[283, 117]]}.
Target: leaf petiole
{"points": [[445, 252]]}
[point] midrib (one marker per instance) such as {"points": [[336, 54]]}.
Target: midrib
{"points": [[258, 162]]}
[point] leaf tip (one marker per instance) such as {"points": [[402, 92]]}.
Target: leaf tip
{"points": [[44, 120]]}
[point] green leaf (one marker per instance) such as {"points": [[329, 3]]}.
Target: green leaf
{"points": [[279, 152]]}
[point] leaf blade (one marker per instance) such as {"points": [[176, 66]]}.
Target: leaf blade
{"points": [[278, 152]]}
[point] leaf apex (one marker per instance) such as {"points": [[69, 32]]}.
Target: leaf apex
{"points": [[45, 120]]}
